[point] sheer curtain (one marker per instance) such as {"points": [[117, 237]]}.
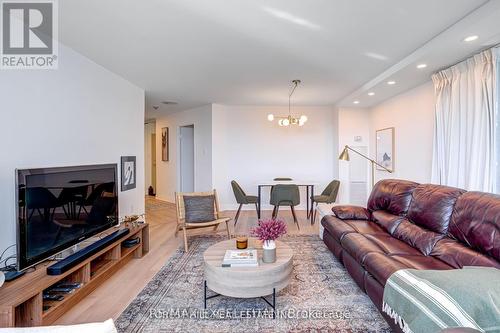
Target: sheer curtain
{"points": [[465, 137]]}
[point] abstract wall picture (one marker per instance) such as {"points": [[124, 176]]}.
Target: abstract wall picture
{"points": [[164, 144], [128, 173], [385, 148]]}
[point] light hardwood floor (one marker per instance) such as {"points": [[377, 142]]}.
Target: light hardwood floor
{"points": [[113, 296]]}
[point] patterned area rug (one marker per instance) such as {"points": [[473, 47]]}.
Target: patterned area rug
{"points": [[321, 297]]}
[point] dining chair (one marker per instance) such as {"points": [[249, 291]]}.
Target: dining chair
{"points": [[243, 199], [328, 196], [285, 195], [198, 210]]}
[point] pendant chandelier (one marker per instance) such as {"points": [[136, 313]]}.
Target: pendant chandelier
{"points": [[289, 120]]}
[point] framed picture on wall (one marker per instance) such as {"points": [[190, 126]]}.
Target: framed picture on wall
{"points": [[128, 173], [164, 144], [385, 148]]}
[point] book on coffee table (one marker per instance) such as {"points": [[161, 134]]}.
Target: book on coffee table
{"points": [[240, 258]]}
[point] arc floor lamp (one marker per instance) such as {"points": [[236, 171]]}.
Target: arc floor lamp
{"points": [[344, 156]]}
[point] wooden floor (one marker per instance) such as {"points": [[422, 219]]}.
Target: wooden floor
{"points": [[113, 296]]}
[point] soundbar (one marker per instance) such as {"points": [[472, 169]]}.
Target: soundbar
{"points": [[76, 258]]}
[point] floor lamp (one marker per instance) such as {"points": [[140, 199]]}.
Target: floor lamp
{"points": [[344, 156]]}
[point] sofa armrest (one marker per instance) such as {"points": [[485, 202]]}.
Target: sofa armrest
{"points": [[351, 213]]}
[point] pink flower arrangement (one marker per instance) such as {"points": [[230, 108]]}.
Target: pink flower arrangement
{"points": [[269, 229]]}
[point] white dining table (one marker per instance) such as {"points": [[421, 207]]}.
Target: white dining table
{"points": [[308, 184]]}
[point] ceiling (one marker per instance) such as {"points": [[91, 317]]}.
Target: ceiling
{"points": [[196, 52]]}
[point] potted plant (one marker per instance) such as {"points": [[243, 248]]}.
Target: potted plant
{"points": [[268, 230]]}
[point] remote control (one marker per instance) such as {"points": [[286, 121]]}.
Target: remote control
{"points": [[53, 297], [71, 285], [62, 290]]}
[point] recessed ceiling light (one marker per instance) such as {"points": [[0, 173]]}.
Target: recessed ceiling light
{"points": [[371, 93], [471, 38], [391, 82], [356, 102], [420, 66]]}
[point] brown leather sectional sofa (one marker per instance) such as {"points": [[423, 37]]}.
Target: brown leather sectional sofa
{"points": [[409, 225]]}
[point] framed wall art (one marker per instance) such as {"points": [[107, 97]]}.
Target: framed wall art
{"points": [[385, 148]]}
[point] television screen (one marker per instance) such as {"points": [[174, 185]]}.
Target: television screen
{"points": [[60, 207]]}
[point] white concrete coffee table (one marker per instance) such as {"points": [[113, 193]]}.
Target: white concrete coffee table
{"points": [[247, 282]]}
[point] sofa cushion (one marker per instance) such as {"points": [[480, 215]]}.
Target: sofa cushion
{"points": [[417, 237], [391, 195], [351, 212], [432, 205], [476, 222], [386, 220], [391, 245], [339, 228], [457, 255], [381, 266], [358, 245]]}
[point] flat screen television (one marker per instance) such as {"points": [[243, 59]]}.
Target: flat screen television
{"points": [[60, 207]]}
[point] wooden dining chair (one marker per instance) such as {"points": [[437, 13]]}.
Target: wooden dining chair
{"points": [[198, 210]]}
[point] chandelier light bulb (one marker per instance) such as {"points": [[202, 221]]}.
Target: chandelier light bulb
{"points": [[270, 117], [301, 122], [303, 119], [286, 122], [280, 122]]}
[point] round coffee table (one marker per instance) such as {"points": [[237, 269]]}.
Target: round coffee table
{"points": [[247, 282]]}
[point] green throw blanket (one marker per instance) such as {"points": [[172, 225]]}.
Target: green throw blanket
{"points": [[430, 300]]}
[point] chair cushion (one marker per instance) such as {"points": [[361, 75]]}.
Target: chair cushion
{"points": [[199, 208], [476, 222], [351, 212], [391, 195], [432, 206], [251, 199], [417, 237], [321, 198]]}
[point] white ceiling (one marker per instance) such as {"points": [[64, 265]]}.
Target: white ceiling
{"points": [[196, 52]]}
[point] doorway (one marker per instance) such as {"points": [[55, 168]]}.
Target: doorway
{"points": [[150, 157], [186, 158]]}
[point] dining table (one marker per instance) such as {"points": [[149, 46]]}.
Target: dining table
{"points": [[308, 184]]}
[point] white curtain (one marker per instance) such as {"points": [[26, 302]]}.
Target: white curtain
{"points": [[465, 136]]}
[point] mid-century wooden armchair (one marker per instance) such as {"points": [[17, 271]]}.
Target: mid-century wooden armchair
{"points": [[181, 215]]}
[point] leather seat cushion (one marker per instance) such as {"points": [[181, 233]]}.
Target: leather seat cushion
{"points": [[339, 228], [457, 255], [359, 245], [417, 237], [432, 206], [391, 195], [382, 266], [476, 222]]}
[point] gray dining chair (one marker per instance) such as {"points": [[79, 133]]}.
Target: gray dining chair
{"points": [[328, 196], [242, 199], [285, 195]]}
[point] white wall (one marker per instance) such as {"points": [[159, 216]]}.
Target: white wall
{"points": [[78, 114], [167, 173], [412, 115], [248, 148]]}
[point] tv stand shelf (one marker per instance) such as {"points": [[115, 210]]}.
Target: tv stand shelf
{"points": [[21, 300]]}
